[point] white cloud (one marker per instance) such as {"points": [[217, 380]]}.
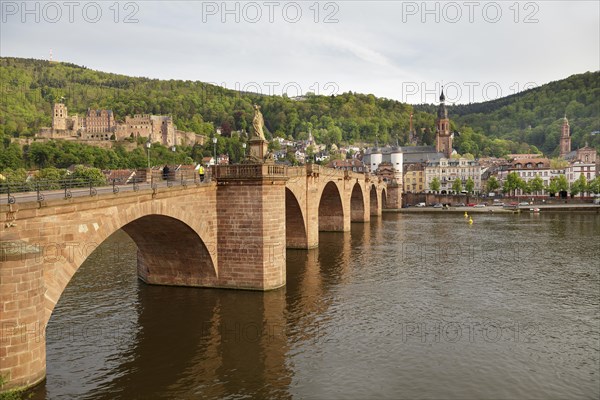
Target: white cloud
{"points": [[375, 47]]}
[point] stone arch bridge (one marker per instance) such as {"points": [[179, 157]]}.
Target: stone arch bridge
{"points": [[229, 233]]}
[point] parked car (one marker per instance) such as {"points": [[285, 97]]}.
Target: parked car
{"points": [[459, 205], [438, 205], [471, 205], [420, 205], [523, 204], [480, 205]]}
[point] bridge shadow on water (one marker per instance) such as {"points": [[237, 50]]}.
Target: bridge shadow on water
{"points": [[111, 336]]}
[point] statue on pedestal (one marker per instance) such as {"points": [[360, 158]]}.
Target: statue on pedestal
{"points": [[258, 122], [258, 144]]}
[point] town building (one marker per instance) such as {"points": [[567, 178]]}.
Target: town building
{"points": [[391, 155], [586, 154], [578, 168], [449, 170], [414, 178], [100, 125], [399, 157], [583, 161], [348, 165], [387, 173]]}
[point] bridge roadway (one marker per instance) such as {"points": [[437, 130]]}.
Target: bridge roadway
{"points": [[231, 232]]}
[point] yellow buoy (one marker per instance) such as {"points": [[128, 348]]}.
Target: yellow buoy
{"points": [[466, 215], [470, 221]]}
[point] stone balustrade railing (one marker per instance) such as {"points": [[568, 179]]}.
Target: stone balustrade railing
{"points": [[249, 171]]}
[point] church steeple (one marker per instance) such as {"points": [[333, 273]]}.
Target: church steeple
{"points": [[565, 138], [442, 112], [443, 137]]}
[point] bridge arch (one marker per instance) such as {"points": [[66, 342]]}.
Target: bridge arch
{"points": [[383, 199], [374, 201], [169, 252], [357, 204], [331, 210], [295, 226]]}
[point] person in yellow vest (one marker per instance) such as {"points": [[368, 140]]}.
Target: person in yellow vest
{"points": [[201, 173]]}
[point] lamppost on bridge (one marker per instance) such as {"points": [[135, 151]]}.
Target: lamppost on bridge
{"points": [[214, 139], [244, 151], [148, 145]]}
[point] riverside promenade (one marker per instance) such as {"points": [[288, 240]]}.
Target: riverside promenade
{"points": [[593, 208]]}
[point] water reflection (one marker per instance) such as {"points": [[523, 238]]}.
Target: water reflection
{"points": [[408, 306]]}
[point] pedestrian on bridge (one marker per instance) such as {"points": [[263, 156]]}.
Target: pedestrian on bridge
{"points": [[166, 171], [201, 172]]}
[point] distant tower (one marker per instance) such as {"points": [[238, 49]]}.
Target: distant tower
{"points": [[565, 138], [375, 159], [59, 117], [412, 135], [396, 158], [443, 137]]}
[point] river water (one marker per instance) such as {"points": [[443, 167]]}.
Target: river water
{"points": [[408, 306]]}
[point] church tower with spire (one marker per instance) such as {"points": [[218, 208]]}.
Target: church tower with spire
{"points": [[565, 138], [443, 137]]}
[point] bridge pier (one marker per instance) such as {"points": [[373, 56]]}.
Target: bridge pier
{"points": [[251, 234], [393, 200], [22, 331]]}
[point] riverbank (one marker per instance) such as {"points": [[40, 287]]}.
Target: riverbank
{"points": [[594, 208]]}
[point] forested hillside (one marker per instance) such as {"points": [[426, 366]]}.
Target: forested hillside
{"points": [[535, 116], [30, 87]]}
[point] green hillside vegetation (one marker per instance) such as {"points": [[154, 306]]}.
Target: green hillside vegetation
{"points": [[534, 116], [30, 88]]}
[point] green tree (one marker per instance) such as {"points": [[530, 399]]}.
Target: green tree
{"points": [[435, 185], [552, 187], [512, 183], [594, 185], [492, 184], [85, 175], [18, 175], [525, 186], [457, 185], [11, 157], [470, 185], [558, 163], [536, 184], [50, 178], [563, 184], [579, 186]]}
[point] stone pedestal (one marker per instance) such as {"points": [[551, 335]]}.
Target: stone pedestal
{"points": [[258, 149]]}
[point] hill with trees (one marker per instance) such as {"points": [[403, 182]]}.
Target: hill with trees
{"points": [[30, 88], [534, 116]]}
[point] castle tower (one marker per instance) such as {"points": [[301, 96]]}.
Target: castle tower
{"points": [[565, 138], [59, 117], [443, 137]]}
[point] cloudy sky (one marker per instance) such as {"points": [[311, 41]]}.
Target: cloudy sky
{"points": [[402, 50]]}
